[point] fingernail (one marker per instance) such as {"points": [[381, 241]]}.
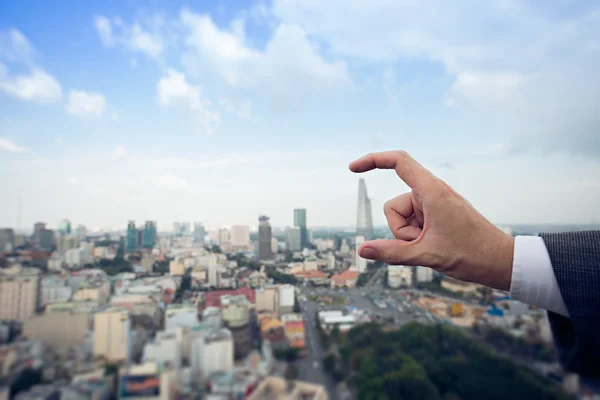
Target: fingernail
{"points": [[368, 252]]}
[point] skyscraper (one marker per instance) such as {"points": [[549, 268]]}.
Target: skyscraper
{"points": [[149, 235], [80, 232], [293, 239], [300, 222], [264, 238], [46, 241], [38, 227], [131, 238], [199, 233], [359, 262], [7, 239], [240, 237], [64, 228], [364, 220]]}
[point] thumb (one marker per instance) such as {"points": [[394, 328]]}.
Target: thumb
{"points": [[392, 251]]}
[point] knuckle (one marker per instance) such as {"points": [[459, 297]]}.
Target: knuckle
{"points": [[402, 154], [387, 205]]}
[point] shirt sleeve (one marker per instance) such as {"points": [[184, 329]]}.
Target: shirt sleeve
{"points": [[533, 281]]}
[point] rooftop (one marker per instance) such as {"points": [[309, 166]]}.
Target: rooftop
{"points": [[345, 276], [213, 298]]}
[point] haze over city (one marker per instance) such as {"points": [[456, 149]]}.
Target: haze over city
{"points": [[168, 111], [240, 200]]}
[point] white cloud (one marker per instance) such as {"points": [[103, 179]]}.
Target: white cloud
{"points": [[245, 111], [134, 37], [58, 139], [174, 89], [119, 151], [104, 29], [531, 69], [10, 146], [15, 47], [73, 181], [275, 71], [37, 86], [85, 105]]}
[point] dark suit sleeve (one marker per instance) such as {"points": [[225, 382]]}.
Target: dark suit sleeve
{"points": [[575, 258]]}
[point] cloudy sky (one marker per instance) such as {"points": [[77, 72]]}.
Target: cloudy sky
{"points": [[220, 111]]}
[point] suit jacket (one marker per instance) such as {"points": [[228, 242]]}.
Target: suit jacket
{"points": [[575, 258]]}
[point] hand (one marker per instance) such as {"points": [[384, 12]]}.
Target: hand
{"points": [[436, 227]]}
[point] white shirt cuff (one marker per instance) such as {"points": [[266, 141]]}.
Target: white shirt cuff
{"points": [[533, 281]]}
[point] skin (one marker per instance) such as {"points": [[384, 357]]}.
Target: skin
{"points": [[436, 227]]}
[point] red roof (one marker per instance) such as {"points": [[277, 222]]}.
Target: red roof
{"points": [[213, 298], [345, 276], [294, 324]]}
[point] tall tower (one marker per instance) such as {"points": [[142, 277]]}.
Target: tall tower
{"points": [[300, 222], [131, 238], [264, 238], [364, 220], [149, 235]]}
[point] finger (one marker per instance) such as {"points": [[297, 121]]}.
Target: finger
{"points": [[392, 252], [397, 212], [409, 170]]}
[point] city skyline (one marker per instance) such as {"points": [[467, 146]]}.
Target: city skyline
{"points": [[156, 123]]}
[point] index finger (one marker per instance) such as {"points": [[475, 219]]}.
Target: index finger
{"points": [[409, 170]]}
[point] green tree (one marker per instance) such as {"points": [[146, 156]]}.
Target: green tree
{"points": [[336, 335], [329, 363], [26, 379]]}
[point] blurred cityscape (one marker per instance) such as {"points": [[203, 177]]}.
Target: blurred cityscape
{"points": [[269, 314]]}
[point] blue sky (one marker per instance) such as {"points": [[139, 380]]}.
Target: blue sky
{"points": [[221, 111]]}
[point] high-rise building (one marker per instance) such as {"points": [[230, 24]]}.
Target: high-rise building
{"points": [[19, 295], [211, 351], [38, 227], [399, 276], [185, 228], [274, 245], [199, 233], [139, 239], [213, 273], [80, 232], [264, 238], [240, 237], [112, 337], [131, 238], [46, 239], [223, 237], [364, 220], [7, 239], [176, 228], [300, 222], [149, 235], [66, 242], [293, 240], [360, 263], [64, 228], [58, 329]]}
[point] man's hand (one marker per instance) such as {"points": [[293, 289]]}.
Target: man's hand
{"points": [[436, 227]]}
